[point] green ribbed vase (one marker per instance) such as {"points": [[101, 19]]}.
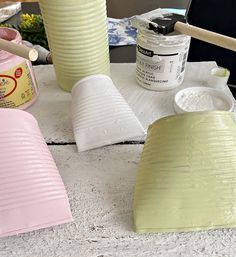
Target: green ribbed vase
{"points": [[77, 37], [187, 174]]}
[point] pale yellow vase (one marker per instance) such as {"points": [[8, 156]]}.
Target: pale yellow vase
{"points": [[187, 174], [78, 39]]}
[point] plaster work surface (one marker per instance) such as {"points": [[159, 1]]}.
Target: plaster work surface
{"points": [[52, 109], [100, 186]]}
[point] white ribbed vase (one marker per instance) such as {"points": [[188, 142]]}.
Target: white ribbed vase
{"points": [[77, 36]]}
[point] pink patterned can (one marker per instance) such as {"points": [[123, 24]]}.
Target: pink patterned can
{"points": [[18, 88]]}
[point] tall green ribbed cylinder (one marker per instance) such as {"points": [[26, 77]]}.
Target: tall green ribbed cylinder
{"points": [[77, 36]]}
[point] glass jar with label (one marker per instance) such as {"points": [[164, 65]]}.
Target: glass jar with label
{"points": [[160, 60], [18, 88]]}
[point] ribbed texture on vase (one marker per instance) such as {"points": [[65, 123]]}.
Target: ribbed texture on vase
{"points": [[29, 174], [32, 194], [187, 174], [77, 36], [100, 114]]}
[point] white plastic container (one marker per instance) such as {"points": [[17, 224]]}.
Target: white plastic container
{"points": [[161, 60], [218, 78]]}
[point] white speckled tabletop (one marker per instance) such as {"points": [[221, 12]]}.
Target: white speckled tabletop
{"points": [[100, 182], [52, 109]]}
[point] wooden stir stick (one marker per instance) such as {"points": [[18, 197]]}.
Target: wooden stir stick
{"points": [[20, 50]]}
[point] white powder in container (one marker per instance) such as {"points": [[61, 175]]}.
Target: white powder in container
{"points": [[202, 99]]}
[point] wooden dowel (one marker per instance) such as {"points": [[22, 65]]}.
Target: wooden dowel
{"points": [[20, 50], [206, 35]]}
